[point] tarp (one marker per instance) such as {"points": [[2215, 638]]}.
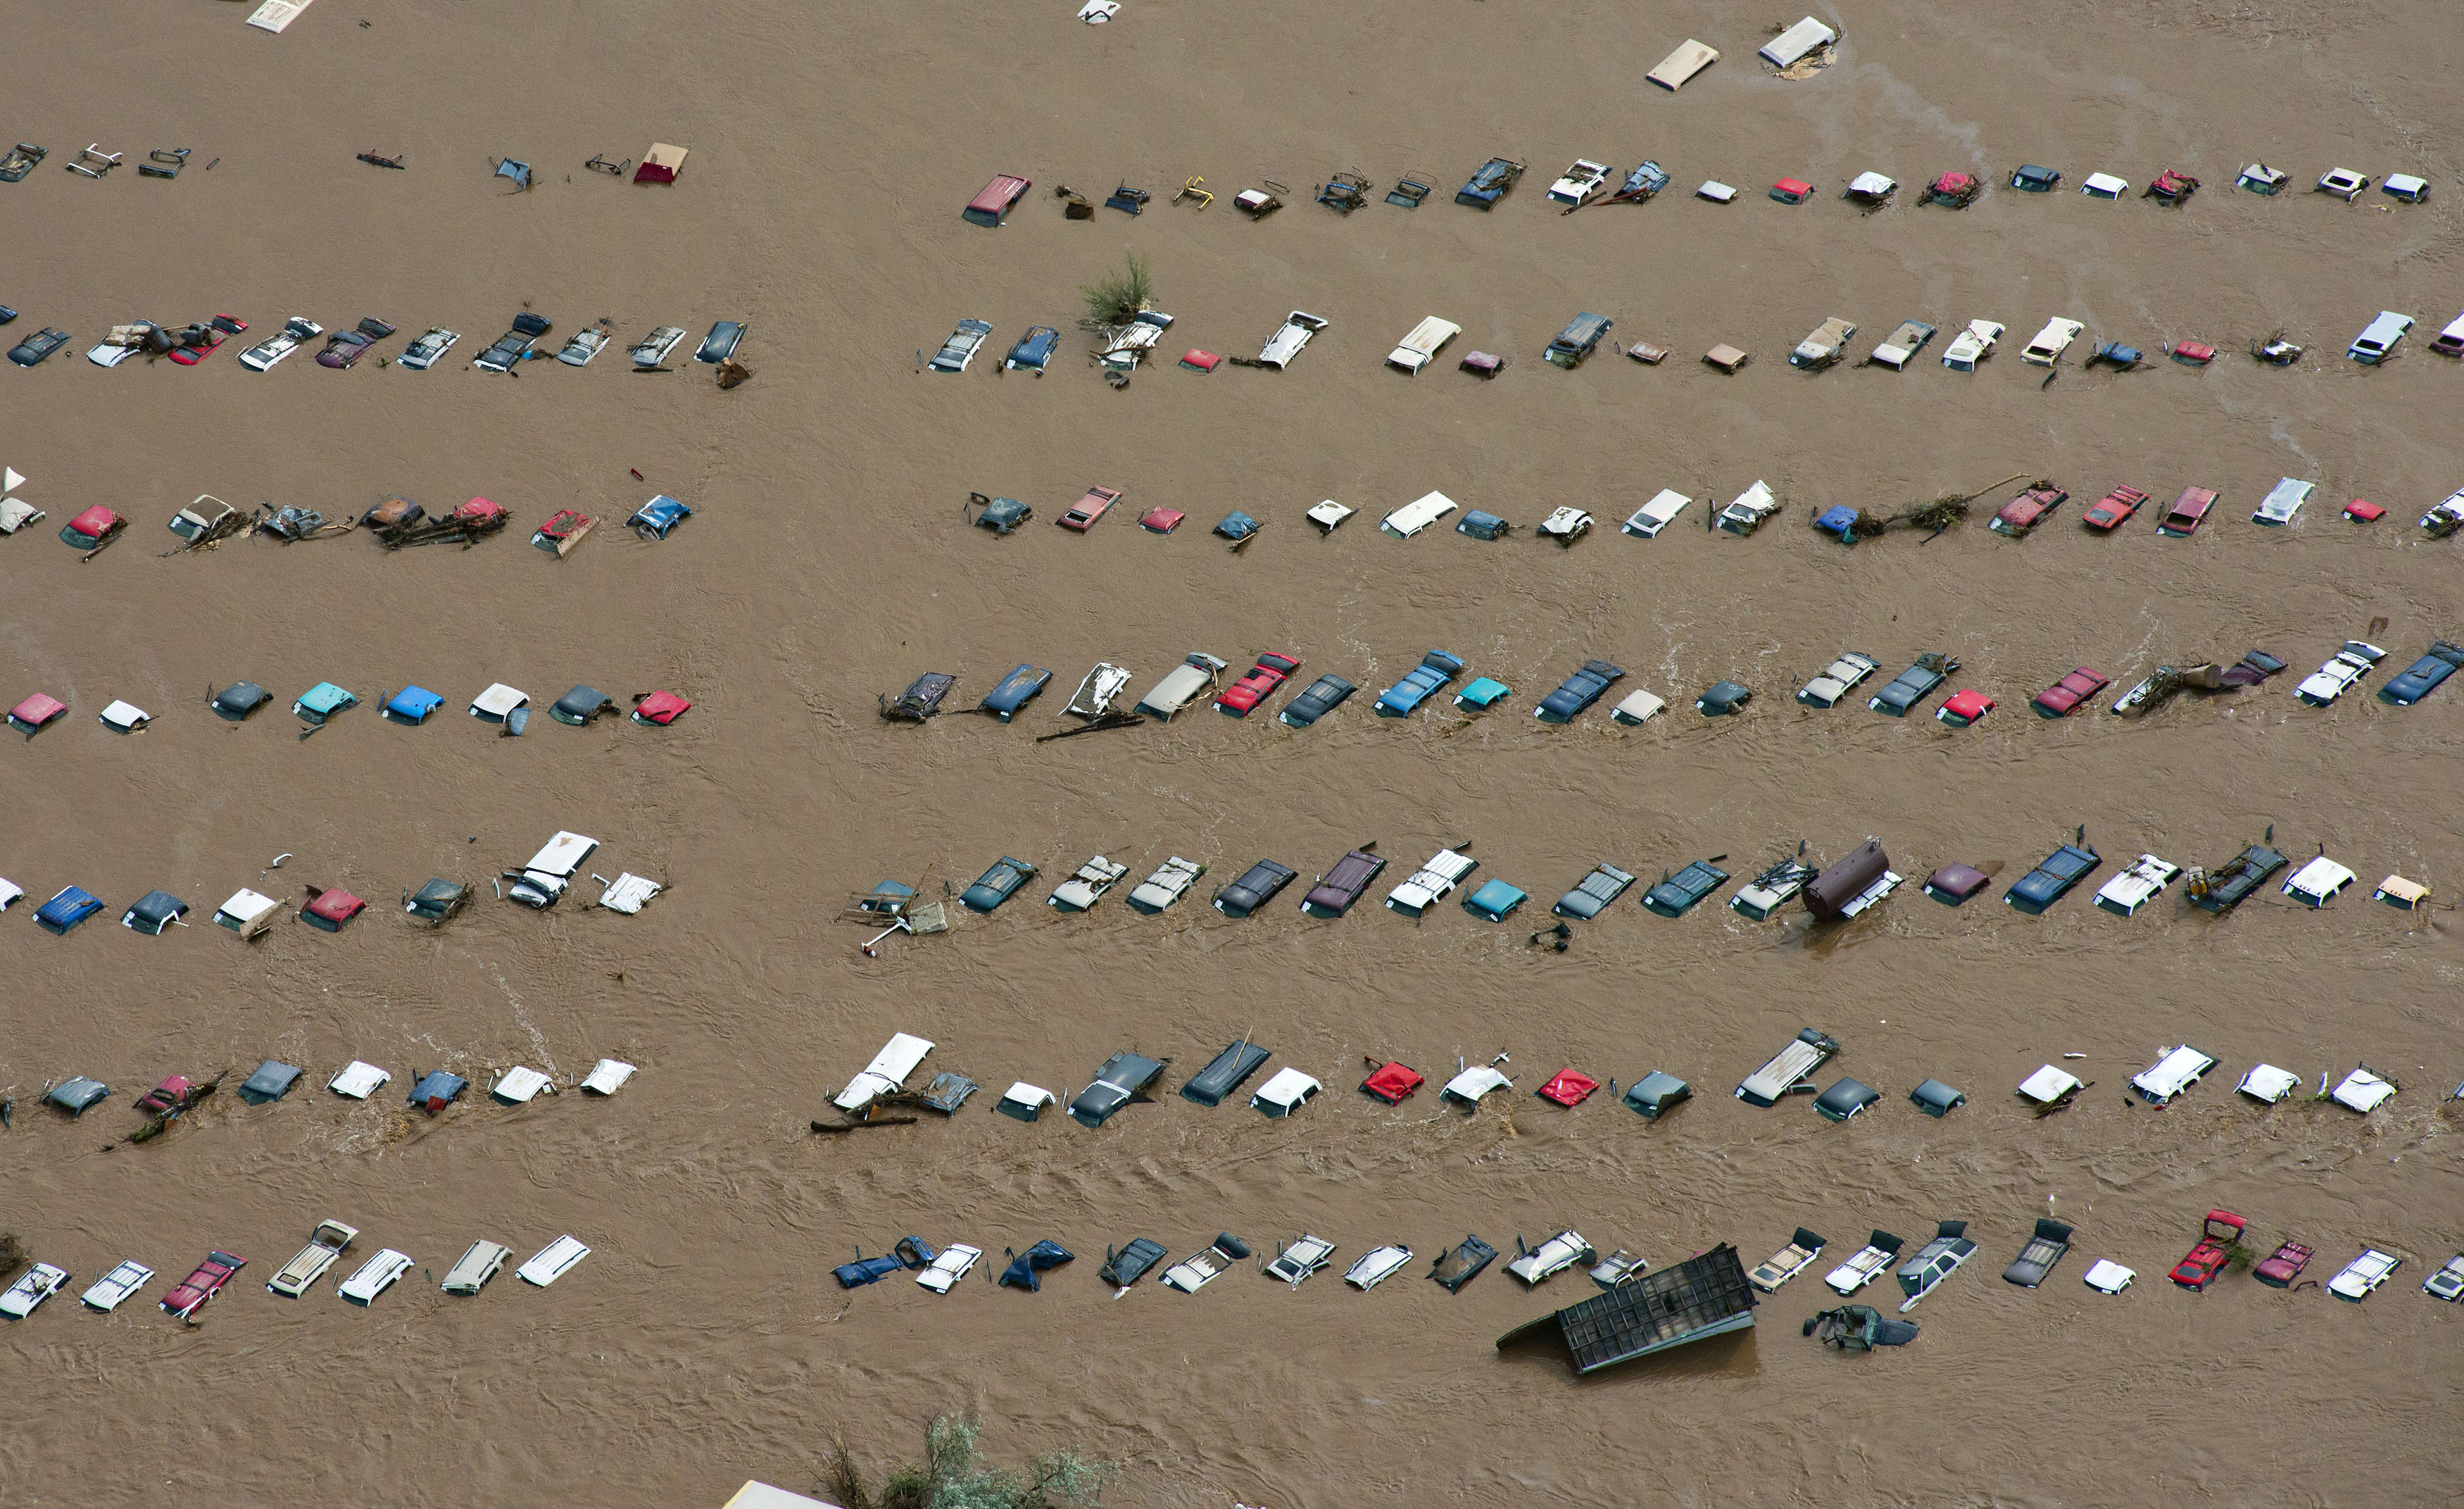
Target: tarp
{"points": [[1682, 64], [1393, 1084]]}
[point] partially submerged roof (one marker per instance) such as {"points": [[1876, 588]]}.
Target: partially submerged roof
{"points": [[1703, 1297], [1788, 48], [1690, 58]]}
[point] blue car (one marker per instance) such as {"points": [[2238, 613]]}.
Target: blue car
{"points": [[2423, 675], [996, 884], [1016, 690], [2052, 878], [66, 910], [1033, 350], [910, 1252], [1579, 690], [1436, 671], [654, 518], [1489, 185], [411, 705]]}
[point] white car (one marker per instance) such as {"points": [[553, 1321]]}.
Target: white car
{"points": [[954, 1263], [2049, 343], [266, 353], [1429, 884], [2362, 1274], [480, 1262], [2330, 681], [375, 1277], [553, 1261], [2174, 1072], [2344, 183], [1973, 344], [1658, 514], [1288, 338], [116, 1285], [1566, 524], [2448, 513], [326, 1247], [1375, 1266], [1582, 181], [425, 350], [2378, 340], [584, 345], [2315, 884], [1554, 1255], [1866, 1266], [1301, 1259], [1838, 680], [2135, 887], [654, 348], [36, 1285]]}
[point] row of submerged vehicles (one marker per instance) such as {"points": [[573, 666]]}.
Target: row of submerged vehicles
{"points": [[1832, 893], [327, 1245], [1587, 181], [191, 344], [1101, 692]]}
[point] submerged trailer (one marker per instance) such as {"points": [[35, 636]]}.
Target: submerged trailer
{"points": [[1700, 1298]]}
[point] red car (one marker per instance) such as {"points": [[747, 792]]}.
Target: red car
{"points": [[2027, 510], [172, 1094], [1084, 513], [1162, 520], [1241, 698], [2068, 695], [2203, 1263], [192, 1292], [2193, 353], [1964, 708], [2114, 510], [2183, 519], [207, 338]]}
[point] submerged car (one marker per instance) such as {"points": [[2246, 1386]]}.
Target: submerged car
{"points": [[2053, 878], [2206, 1257], [1486, 186], [996, 884], [202, 1284], [512, 346], [1677, 895]]}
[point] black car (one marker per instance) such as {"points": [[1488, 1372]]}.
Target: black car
{"points": [[2053, 878], [1323, 695], [1914, 684], [512, 344], [2228, 886], [1845, 1099], [1604, 885], [1128, 1264], [239, 700], [1655, 1094], [1677, 895], [1123, 1077], [721, 341], [1257, 886], [579, 706], [2423, 675], [1223, 1074], [1579, 690], [1723, 699], [31, 351], [921, 699]]}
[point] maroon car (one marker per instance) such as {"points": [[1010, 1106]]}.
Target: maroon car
{"points": [[1339, 887], [2183, 519], [192, 1292], [172, 1094], [347, 346], [1241, 698], [2064, 696], [2281, 1267]]}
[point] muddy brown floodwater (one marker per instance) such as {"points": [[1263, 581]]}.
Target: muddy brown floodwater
{"points": [[703, 1342]]}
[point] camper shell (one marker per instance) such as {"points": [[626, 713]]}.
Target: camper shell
{"points": [[1791, 1067], [1417, 514], [1419, 348]]}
